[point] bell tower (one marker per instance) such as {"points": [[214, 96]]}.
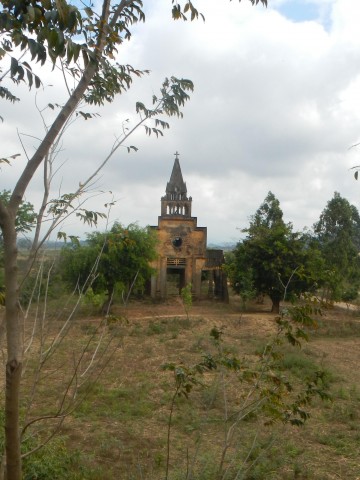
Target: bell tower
{"points": [[181, 243], [183, 257], [175, 201]]}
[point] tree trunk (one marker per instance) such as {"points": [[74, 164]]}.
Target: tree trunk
{"points": [[12, 438], [275, 305], [224, 287], [14, 334], [105, 309], [13, 317]]}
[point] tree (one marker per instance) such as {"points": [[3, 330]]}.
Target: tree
{"points": [[240, 274], [52, 30], [25, 217], [272, 258], [121, 256], [84, 44], [24, 223], [338, 236]]}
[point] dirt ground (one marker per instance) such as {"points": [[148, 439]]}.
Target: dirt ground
{"points": [[126, 414], [328, 444], [345, 352]]}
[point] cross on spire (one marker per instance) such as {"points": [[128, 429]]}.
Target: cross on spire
{"points": [[176, 202]]}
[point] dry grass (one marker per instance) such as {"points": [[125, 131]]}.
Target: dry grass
{"points": [[119, 429]]}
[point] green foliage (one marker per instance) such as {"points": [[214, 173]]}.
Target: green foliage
{"points": [[156, 328], [186, 297], [54, 460], [298, 364], [93, 299], [60, 30], [170, 326], [25, 218], [24, 222], [339, 225], [337, 234], [115, 259], [64, 205], [117, 402], [272, 259], [242, 278]]}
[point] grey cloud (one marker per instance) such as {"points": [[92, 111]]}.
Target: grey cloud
{"points": [[268, 113]]}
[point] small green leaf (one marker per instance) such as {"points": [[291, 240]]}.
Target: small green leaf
{"points": [[74, 240], [62, 236], [13, 66], [33, 47], [37, 81]]}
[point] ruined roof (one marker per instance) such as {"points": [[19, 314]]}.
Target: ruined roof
{"points": [[214, 258], [176, 183]]}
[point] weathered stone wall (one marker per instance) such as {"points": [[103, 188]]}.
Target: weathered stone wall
{"points": [[181, 245]]}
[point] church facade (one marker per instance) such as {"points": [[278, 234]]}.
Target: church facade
{"points": [[183, 256]]}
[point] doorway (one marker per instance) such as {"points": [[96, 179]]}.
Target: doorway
{"points": [[175, 280]]}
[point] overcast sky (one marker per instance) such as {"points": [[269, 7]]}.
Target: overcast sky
{"points": [[276, 107]]}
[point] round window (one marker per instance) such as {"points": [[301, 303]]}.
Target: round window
{"points": [[177, 242]]}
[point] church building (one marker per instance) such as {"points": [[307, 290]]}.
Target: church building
{"points": [[183, 256]]}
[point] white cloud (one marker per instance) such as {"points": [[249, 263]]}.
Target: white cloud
{"points": [[275, 108]]}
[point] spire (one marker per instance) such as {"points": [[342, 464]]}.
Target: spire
{"points": [[175, 202], [176, 185]]}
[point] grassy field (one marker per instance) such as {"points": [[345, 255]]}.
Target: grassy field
{"points": [[123, 397]]}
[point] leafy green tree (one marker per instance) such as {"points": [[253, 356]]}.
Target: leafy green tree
{"points": [[338, 236], [110, 261], [240, 274], [272, 259], [24, 222], [25, 218], [83, 41]]}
